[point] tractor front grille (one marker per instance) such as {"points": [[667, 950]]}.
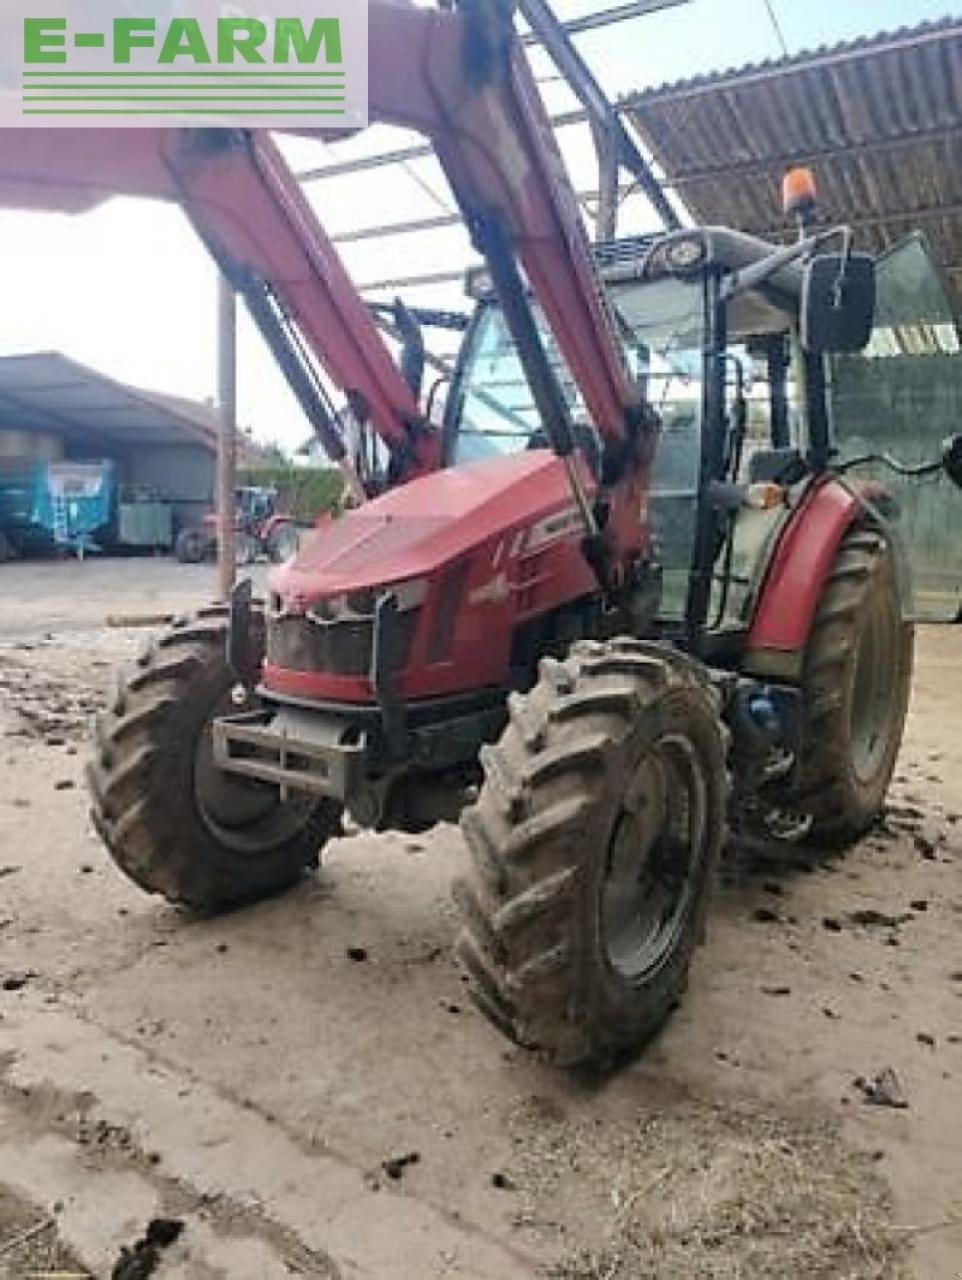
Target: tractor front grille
{"points": [[343, 647]]}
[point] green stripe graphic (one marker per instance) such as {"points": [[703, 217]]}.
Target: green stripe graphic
{"points": [[201, 90], [202, 93], [185, 74], [179, 111], [221, 97]]}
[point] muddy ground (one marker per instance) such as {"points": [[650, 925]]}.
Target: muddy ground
{"points": [[304, 1086]]}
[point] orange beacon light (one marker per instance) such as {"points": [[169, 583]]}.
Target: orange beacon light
{"points": [[799, 198]]}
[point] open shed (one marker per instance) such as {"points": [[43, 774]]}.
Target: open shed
{"points": [[55, 408], [879, 120]]}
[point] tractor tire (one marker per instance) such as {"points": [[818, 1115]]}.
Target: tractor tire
{"points": [[246, 550], [283, 541], [856, 681], [171, 820], [191, 546], [593, 847]]}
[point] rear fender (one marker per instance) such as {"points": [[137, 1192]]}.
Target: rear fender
{"points": [[795, 578], [270, 524]]}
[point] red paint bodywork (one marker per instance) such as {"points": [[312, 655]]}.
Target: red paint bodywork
{"points": [[471, 530], [800, 566], [478, 535]]}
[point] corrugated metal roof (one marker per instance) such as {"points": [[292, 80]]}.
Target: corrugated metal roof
{"points": [[46, 391], [879, 119]]}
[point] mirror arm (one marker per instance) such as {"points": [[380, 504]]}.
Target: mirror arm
{"points": [[760, 272], [848, 242]]}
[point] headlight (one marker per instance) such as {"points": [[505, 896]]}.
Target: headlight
{"points": [[362, 603], [686, 252], [478, 284]]}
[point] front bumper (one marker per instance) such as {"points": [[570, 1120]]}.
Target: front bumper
{"points": [[294, 749], [343, 753]]}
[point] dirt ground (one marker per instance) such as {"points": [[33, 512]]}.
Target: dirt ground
{"points": [[305, 1088]]}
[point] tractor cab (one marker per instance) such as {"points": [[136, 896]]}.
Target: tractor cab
{"points": [[255, 505], [714, 325], [766, 370]]}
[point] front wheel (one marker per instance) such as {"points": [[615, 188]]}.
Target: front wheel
{"points": [[593, 846], [173, 821]]}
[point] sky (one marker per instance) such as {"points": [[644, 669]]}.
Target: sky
{"points": [[129, 290]]}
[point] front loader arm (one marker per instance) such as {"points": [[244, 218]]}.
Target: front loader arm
{"points": [[249, 210], [462, 78], [459, 77]]}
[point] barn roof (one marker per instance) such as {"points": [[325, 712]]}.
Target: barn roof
{"points": [[879, 119], [47, 391]]}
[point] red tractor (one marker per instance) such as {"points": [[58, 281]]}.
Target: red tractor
{"points": [[618, 606], [260, 530]]}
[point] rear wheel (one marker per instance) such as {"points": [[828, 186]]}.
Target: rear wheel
{"points": [[593, 845], [856, 679], [191, 546], [172, 820]]}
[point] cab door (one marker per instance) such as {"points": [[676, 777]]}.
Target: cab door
{"points": [[903, 396]]}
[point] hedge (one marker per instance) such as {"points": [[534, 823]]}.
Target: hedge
{"points": [[303, 492]]}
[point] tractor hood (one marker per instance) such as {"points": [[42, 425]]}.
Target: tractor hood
{"points": [[419, 527]]}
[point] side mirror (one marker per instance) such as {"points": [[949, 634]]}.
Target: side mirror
{"points": [[952, 459], [838, 303]]}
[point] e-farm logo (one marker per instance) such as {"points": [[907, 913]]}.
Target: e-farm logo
{"points": [[124, 62]]}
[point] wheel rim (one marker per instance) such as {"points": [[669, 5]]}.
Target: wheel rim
{"points": [[656, 849], [192, 548], [245, 816], [874, 689]]}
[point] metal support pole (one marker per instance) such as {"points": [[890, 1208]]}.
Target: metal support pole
{"points": [[606, 217], [602, 115], [227, 435]]}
